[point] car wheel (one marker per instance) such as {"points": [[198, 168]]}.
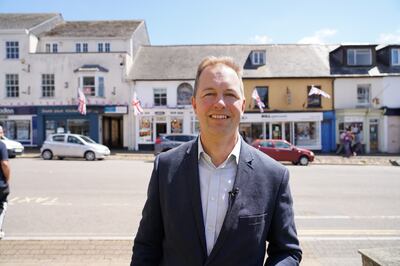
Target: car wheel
{"points": [[90, 156], [47, 155], [303, 160]]}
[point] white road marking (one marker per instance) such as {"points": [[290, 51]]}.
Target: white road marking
{"points": [[344, 217]]}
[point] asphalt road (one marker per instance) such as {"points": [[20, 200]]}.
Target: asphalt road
{"points": [[338, 209]]}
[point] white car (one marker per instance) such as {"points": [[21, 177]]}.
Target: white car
{"points": [[14, 148], [73, 145]]}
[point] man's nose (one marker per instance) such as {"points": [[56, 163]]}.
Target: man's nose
{"points": [[220, 102]]}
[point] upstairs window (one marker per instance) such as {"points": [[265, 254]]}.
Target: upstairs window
{"points": [[313, 100], [263, 93], [12, 85], [55, 48], [107, 47], [48, 85], [184, 94], [359, 57], [396, 57], [100, 47], [160, 96], [92, 86], [363, 94], [85, 47], [103, 47], [258, 58], [49, 47], [81, 47], [12, 50]]}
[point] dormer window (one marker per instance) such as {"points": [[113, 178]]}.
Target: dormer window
{"points": [[258, 58], [359, 57], [396, 57]]}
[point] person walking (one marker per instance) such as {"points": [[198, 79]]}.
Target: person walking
{"points": [[217, 200], [4, 181]]}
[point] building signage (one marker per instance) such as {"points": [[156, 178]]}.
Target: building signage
{"points": [[281, 117], [66, 110], [23, 110], [116, 109]]}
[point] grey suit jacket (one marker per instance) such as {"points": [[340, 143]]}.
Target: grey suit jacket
{"points": [[171, 231]]}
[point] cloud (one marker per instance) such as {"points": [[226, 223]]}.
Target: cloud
{"points": [[389, 37], [261, 39], [319, 37]]}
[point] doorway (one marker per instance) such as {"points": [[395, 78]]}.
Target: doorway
{"points": [[113, 131], [161, 128]]}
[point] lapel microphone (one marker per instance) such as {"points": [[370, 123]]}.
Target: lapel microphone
{"points": [[234, 192]]}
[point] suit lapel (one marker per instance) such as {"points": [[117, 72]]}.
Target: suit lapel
{"points": [[192, 169], [244, 172]]}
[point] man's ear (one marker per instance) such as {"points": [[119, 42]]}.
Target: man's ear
{"points": [[243, 105], [194, 104]]}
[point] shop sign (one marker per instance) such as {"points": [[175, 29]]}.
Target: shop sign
{"points": [[66, 110], [159, 113], [116, 110], [350, 119], [283, 117], [23, 110]]}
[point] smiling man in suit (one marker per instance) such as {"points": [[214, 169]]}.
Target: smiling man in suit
{"points": [[216, 200]]}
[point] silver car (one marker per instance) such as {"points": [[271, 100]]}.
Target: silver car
{"points": [[166, 142], [73, 145]]}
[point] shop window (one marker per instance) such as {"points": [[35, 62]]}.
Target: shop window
{"points": [[12, 85], [12, 50], [363, 94], [17, 129], [145, 130], [54, 126], [195, 129], [359, 57], [184, 94], [251, 131], [78, 126], [160, 96], [48, 85], [263, 93], [176, 125], [306, 133], [313, 100]]}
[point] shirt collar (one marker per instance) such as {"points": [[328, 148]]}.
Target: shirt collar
{"points": [[235, 151]]}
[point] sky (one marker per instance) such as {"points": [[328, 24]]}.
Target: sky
{"points": [[172, 22]]}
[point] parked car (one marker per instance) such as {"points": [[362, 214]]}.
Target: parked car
{"points": [[73, 145], [14, 148], [281, 150], [166, 142]]}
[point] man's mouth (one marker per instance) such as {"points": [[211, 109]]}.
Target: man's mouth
{"points": [[219, 116]]}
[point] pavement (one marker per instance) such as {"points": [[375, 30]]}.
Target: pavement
{"points": [[117, 251]]}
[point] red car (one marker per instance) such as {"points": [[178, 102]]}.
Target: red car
{"points": [[281, 150]]}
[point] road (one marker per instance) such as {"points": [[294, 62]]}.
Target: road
{"points": [[338, 209]]}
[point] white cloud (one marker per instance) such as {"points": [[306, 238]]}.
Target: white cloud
{"points": [[319, 37], [389, 37], [261, 39]]}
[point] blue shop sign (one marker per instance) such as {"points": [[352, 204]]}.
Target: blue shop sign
{"points": [[22, 110], [116, 109]]}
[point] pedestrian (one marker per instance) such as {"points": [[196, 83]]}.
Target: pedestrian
{"points": [[4, 181], [348, 139], [341, 139], [216, 200], [358, 138]]}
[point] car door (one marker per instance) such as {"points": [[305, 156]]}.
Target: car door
{"points": [[57, 145], [283, 150], [267, 146], [76, 147]]}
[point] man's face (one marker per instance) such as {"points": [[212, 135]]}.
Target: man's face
{"points": [[1, 133], [218, 102]]}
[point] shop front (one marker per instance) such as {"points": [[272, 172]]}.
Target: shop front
{"points": [[152, 123], [301, 129], [20, 124], [366, 121]]}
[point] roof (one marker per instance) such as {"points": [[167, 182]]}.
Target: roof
{"points": [[91, 68], [106, 28], [180, 62], [13, 21]]}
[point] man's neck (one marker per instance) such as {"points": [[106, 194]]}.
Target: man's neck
{"points": [[218, 148]]}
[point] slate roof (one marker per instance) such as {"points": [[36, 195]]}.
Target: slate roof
{"points": [[13, 21], [105, 28], [180, 62]]}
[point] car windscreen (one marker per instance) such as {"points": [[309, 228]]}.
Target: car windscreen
{"points": [[87, 139]]}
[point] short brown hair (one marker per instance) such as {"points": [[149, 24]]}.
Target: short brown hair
{"points": [[212, 61]]}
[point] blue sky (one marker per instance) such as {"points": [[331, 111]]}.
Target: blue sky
{"points": [[238, 21]]}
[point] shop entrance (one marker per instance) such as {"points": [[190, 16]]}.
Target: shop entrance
{"points": [[113, 131], [373, 135], [161, 128]]}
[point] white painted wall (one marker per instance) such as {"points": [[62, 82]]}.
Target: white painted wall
{"points": [[390, 95]]}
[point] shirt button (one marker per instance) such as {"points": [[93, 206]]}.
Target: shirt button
{"points": [[210, 228]]}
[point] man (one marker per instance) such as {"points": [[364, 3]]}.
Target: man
{"points": [[216, 200], [4, 180]]}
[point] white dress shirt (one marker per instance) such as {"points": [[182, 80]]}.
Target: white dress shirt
{"points": [[215, 185]]}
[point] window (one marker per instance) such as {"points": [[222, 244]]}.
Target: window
{"points": [[58, 138], [108, 47], [258, 57], [48, 47], [306, 133], [103, 47], [184, 94], [12, 85], [100, 47], [177, 125], [78, 126], [16, 129], [12, 50], [92, 86], [78, 48], [282, 145], [263, 93], [363, 94], [48, 85], [55, 48], [160, 96], [359, 57], [74, 140], [313, 100], [85, 47], [81, 47], [396, 57]]}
